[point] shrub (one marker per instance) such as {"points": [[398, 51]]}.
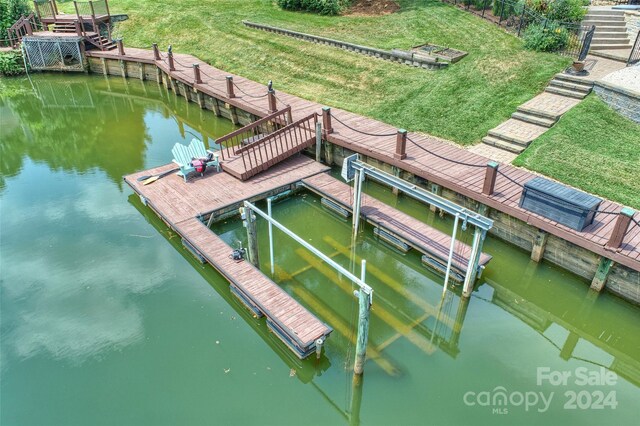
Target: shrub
{"points": [[566, 10], [322, 7], [482, 4], [551, 38], [11, 63], [10, 11], [507, 10]]}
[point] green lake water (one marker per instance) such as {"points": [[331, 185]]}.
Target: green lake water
{"points": [[106, 319]]}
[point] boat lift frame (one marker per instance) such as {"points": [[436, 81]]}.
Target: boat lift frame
{"points": [[354, 169], [364, 294]]}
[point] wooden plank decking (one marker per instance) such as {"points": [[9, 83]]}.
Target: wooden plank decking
{"points": [[417, 234], [181, 204], [439, 168]]}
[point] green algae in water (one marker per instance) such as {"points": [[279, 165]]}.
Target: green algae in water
{"points": [[107, 319]]}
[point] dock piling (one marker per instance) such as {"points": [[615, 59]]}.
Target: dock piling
{"points": [[272, 101], [172, 66], [230, 93], [249, 222], [196, 74], [490, 178], [364, 307], [620, 228], [120, 47], [318, 142], [326, 120], [156, 52], [401, 145]]}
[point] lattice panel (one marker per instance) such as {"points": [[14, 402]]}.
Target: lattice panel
{"points": [[53, 54]]}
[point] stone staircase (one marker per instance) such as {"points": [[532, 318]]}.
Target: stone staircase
{"points": [[611, 30], [536, 116]]}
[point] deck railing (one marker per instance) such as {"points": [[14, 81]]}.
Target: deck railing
{"points": [[45, 9], [254, 131], [515, 17], [634, 56], [279, 145], [24, 26]]}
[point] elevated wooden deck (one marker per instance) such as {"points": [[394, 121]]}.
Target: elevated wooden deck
{"points": [[417, 234], [440, 168], [182, 205]]}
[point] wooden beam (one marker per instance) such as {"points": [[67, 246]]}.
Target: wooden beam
{"points": [[539, 244], [602, 274]]}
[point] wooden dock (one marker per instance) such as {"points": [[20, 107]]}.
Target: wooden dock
{"points": [[436, 160], [184, 205], [417, 234]]}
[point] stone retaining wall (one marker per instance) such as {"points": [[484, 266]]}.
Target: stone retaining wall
{"points": [[626, 102], [395, 55], [632, 19]]}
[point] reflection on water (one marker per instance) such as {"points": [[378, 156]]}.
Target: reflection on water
{"points": [[106, 319]]}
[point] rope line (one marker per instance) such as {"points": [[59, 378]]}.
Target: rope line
{"points": [[281, 101], [251, 96], [360, 131], [445, 158]]}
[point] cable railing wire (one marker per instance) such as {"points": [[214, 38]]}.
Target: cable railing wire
{"points": [[445, 158], [362, 132], [247, 94]]}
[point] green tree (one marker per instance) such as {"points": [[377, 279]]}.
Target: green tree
{"points": [[10, 11]]}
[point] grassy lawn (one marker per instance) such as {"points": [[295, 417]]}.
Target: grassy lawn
{"points": [[460, 103], [593, 148]]}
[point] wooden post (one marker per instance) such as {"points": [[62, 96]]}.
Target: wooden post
{"points": [[156, 52], [569, 345], [54, 7], [216, 107], [196, 74], [490, 178], [396, 172], [123, 68], [357, 384], [158, 75], [272, 101], [76, 23], [318, 141], [401, 145], [326, 120], [252, 234], [472, 266], [201, 103], [620, 228], [172, 66], [28, 28], [435, 189], [364, 310], [328, 152], [35, 4], [105, 67], [120, 47], [602, 274], [461, 314], [539, 244], [141, 69], [230, 93]]}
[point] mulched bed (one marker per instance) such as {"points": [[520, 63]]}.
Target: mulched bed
{"points": [[372, 7]]}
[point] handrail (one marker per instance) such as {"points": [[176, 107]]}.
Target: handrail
{"points": [[255, 128], [634, 55], [282, 145], [22, 27]]}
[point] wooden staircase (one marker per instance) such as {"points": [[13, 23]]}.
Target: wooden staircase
{"points": [[267, 150]]}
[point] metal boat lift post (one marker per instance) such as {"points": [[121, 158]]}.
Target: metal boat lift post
{"points": [[364, 294], [354, 169]]}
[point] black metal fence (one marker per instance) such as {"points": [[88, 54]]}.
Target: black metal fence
{"points": [[634, 56], [516, 17]]}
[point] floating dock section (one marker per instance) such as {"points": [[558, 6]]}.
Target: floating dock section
{"points": [[184, 206]]}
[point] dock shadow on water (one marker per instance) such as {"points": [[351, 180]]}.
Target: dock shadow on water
{"points": [[107, 319]]}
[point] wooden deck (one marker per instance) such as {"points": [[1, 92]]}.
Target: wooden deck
{"points": [[465, 180], [417, 234], [249, 160], [181, 205]]}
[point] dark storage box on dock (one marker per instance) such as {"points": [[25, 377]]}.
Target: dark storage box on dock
{"points": [[555, 201]]}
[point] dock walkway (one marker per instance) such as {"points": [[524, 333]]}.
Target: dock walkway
{"points": [[183, 206], [417, 234], [436, 160]]}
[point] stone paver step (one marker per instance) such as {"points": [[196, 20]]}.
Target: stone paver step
{"points": [[608, 46], [604, 22], [565, 92], [518, 132], [548, 105], [605, 18], [574, 79], [609, 40], [577, 87], [502, 144], [611, 29], [610, 34], [609, 12], [533, 119], [494, 153]]}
